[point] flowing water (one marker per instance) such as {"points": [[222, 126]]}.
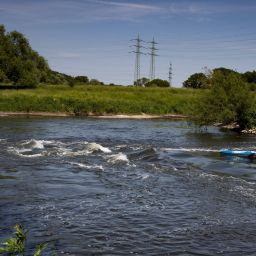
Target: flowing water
{"points": [[119, 187]]}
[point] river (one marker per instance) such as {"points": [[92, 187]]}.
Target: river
{"points": [[119, 187]]}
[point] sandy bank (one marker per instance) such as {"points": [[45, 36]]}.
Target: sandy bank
{"points": [[3, 114], [141, 116], [108, 116]]}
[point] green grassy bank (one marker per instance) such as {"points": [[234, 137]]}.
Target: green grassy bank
{"points": [[100, 100]]}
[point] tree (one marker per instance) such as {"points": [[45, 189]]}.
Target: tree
{"points": [[82, 79], [157, 83], [20, 64], [20, 45], [228, 101], [197, 81], [224, 71], [24, 67], [250, 76], [141, 82], [95, 82]]}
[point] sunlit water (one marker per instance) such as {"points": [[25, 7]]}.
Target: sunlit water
{"points": [[119, 187]]}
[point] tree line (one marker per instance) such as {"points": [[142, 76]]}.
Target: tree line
{"points": [[22, 67], [203, 80]]}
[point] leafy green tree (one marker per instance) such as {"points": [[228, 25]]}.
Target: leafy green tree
{"points": [[197, 81], [157, 83], [19, 64], [82, 79], [141, 82], [24, 67], [19, 45], [95, 82], [250, 78], [224, 71], [228, 101]]}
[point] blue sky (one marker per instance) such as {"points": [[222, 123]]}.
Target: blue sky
{"points": [[92, 37]]}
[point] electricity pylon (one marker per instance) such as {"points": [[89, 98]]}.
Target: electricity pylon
{"points": [[138, 53], [152, 59], [170, 74]]}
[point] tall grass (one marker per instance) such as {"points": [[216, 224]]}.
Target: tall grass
{"points": [[101, 100]]}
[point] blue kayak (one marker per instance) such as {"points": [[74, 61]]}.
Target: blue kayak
{"points": [[239, 153]]}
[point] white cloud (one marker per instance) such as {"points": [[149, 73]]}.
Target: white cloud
{"points": [[128, 5], [203, 8], [84, 11], [76, 11]]}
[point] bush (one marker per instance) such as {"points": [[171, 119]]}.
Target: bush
{"points": [[82, 79], [197, 81], [95, 82], [157, 83], [228, 101]]}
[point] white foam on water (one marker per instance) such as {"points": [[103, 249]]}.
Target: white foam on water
{"points": [[61, 151], [190, 149], [33, 155], [85, 166], [92, 147], [120, 157], [61, 148], [25, 149], [33, 144], [121, 146], [144, 176], [136, 147], [84, 148], [19, 153]]}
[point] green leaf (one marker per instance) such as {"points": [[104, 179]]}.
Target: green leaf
{"points": [[15, 244], [39, 249]]}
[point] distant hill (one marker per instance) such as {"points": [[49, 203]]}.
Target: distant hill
{"points": [[21, 66]]}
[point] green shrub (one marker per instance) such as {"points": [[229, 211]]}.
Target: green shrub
{"points": [[157, 83], [228, 101], [197, 81]]}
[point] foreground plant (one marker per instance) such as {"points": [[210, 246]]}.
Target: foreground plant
{"points": [[16, 245]]}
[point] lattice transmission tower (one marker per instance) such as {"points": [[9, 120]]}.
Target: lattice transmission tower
{"points": [[152, 59], [170, 74], [138, 46]]}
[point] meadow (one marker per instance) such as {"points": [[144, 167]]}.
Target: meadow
{"points": [[100, 100]]}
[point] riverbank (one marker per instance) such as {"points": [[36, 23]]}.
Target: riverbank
{"points": [[236, 128], [100, 100], [91, 115]]}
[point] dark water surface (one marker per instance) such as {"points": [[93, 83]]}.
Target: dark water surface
{"points": [[120, 187]]}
